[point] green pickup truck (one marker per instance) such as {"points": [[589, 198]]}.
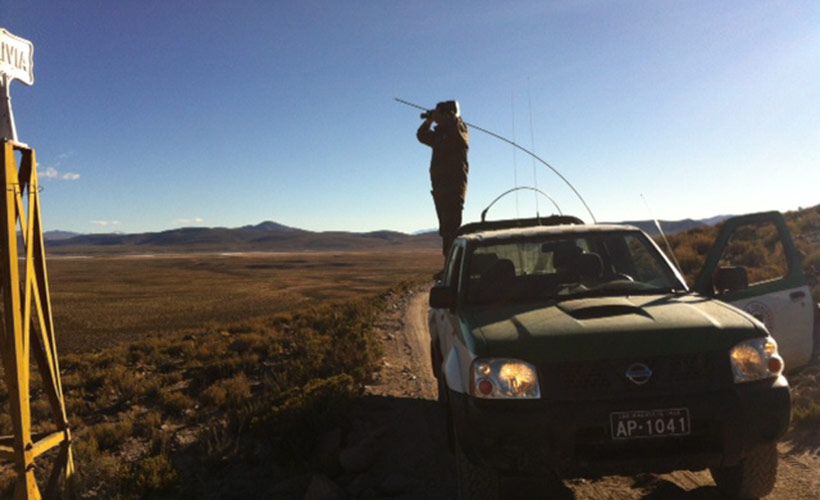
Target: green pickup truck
{"points": [[579, 350]]}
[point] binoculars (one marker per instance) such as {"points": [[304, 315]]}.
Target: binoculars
{"points": [[443, 107]]}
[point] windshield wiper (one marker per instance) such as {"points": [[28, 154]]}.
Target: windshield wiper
{"points": [[613, 291]]}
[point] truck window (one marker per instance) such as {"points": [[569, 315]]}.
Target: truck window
{"points": [[642, 266], [756, 247], [558, 266]]}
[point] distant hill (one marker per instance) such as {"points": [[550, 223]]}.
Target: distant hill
{"points": [[270, 226], [266, 236], [58, 235], [274, 237], [676, 226]]}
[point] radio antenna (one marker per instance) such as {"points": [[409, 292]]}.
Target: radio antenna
{"points": [[515, 156], [532, 146], [518, 146], [663, 235]]}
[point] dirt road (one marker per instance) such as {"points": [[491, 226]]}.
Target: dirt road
{"points": [[413, 461]]}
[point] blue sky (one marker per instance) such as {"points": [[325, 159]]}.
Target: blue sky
{"points": [[230, 113]]}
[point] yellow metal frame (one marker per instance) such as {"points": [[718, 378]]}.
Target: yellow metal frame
{"points": [[28, 330]]}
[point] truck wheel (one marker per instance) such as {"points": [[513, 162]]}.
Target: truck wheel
{"points": [[753, 477], [444, 402], [442, 390], [441, 384], [434, 358], [474, 482]]}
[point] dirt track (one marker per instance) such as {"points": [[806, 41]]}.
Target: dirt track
{"points": [[402, 413]]}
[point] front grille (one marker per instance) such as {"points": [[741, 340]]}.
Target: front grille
{"points": [[607, 378]]}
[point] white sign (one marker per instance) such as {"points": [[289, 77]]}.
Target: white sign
{"points": [[16, 58]]}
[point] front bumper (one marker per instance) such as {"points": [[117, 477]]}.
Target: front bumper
{"points": [[573, 438]]}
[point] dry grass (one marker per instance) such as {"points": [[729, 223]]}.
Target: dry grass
{"points": [[176, 368], [758, 250], [806, 397], [101, 301]]}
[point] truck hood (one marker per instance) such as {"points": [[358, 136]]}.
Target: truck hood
{"points": [[606, 327]]}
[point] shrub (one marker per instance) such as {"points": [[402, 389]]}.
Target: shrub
{"points": [[111, 435], [154, 475], [806, 416], [175, 402], [237, 389], [296, 423], [215, 394], [278, 382], [95, 469], [228, 392], [148, 423]]}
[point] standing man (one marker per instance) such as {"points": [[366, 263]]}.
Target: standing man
{"points": [[448, 166]]}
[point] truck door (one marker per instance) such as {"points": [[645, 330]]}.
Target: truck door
{"points": [[446, 321], [755, 266]]}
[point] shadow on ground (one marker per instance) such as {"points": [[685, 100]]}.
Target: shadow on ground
{"points": [[411, 460], [390, 447]]}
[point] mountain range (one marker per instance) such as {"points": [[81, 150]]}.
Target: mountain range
{"points": [[272, 236], [265, 236], [675, 226]]}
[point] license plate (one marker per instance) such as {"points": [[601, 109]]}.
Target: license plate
{"points": [[649, 423]]}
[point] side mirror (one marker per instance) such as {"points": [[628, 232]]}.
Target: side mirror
{"points": [[442, 297], [728, 279]]}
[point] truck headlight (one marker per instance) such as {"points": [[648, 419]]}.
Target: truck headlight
{"points": [[755, 359], [504, 379]]}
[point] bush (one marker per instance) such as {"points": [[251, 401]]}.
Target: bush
{"points": [[175, 402], [297, 422], [154, 475], [215, 395], [228, 392], [237, 389], [757, 248], [148, 423], [806, 416], [96, 470], [111, 435], [275, 383]]}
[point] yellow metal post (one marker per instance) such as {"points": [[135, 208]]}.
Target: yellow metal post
{"points": [[28, 329]]}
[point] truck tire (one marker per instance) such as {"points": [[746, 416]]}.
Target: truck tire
{"points": [[444, 402], [475, 482], [753, 477], [443, 398]]}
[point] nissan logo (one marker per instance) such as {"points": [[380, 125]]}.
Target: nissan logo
{"points": [[638, 373]]}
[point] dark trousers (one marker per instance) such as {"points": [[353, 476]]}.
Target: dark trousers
{"points": [[449, 206]]}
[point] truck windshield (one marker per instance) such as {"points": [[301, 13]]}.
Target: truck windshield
{"points": [[567, 266]]}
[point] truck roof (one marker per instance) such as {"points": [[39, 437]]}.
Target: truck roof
{"points": [[525, 232]]}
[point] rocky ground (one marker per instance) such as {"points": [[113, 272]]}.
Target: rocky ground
{"points": [[394, 443]]}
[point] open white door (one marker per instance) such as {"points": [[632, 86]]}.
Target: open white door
{"points": [[755, 266]]}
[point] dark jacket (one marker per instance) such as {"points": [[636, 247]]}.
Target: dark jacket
{"points": [[448, 165]]}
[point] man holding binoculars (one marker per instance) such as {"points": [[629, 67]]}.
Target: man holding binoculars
{"points": [[448, 166]]}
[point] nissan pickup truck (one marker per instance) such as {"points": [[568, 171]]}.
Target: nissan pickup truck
{"points": [[578, 350]]}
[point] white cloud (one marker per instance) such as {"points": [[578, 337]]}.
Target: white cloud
{"points": [[105, 223], [185, 221], [53, 173]]}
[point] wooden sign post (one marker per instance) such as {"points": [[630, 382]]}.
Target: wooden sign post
{"points": [[27, 326]]}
